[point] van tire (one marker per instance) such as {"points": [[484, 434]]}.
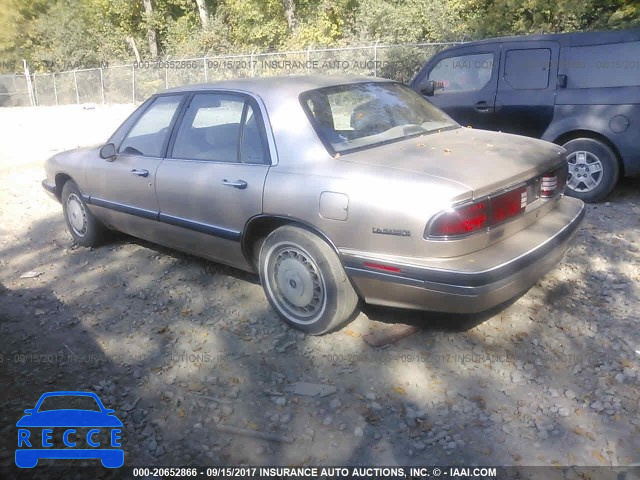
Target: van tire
{"points": [[593, 169]]}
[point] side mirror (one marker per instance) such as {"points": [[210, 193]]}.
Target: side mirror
{"points": [[429, 89], [562, 81], [108, 152]]}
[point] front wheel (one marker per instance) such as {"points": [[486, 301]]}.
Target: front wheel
{"points": [[84, 227], [593, 169], [304, 281]]}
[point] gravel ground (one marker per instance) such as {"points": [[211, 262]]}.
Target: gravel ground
{"points": [[178, 345]]}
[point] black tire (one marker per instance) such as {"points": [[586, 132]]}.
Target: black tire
{"points": [[297, 266], [584, 155], [84, 227]]}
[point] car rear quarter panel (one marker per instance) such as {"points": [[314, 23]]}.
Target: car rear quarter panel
{"points": [[378, 197]]}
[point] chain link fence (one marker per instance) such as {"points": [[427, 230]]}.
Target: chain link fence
{"points": [[135, 82]]}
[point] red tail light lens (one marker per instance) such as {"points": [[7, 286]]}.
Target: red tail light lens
{"points": [[479, 215], [462, 220], [508, 205]]}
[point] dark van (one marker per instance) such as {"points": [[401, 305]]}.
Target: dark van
{"points": [[579, 90]]}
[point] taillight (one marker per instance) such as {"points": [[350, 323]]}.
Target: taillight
{"points": [[461, 220], [480, 215], [548, 185], [508, 205]]}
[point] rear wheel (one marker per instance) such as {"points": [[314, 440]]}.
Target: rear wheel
{"points": [[304, 281], [593, 169], [84, 227]]}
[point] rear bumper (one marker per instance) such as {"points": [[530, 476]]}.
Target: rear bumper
{"points": [[474, 282]]}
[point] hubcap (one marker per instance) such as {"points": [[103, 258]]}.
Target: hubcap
{"points": [[297, 284], [585, 171], [76, 215]]}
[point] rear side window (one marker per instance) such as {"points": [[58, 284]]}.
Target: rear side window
{"points": [[527, 69], [609, 65], [221, 127], [464, 73], [210, 129]]}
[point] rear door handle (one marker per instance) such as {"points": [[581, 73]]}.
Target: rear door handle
{"points": [[240, 184], [483, 106], [140, 173]]}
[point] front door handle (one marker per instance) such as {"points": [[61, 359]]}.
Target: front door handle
{"points": [[140, 173], [240, 184], [483, 107]]}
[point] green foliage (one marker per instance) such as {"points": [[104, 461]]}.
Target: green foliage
{"points": [[514, 17], [408, 21], [322, 23], [254, 24]]}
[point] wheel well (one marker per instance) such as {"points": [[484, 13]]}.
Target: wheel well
{"points": [[260, 227], [565, 137], [61, 179]]}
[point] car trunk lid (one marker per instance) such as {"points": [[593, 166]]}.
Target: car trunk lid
{"points": [[483, 161]]}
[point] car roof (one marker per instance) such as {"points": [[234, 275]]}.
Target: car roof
{"points": [[293, 84], [569, 39]]}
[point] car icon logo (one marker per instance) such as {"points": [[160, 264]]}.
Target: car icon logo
{"points": [[90, 432]]}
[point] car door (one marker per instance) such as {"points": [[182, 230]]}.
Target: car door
{"points": [[526, 87], [212, 181], [466, 81], [123, 187]]}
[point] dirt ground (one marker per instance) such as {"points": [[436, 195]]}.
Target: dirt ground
{"points": [[179, 346]]}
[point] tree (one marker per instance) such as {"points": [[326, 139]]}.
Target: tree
{"points": [[204, 13], [151, 30], [290, 14]]}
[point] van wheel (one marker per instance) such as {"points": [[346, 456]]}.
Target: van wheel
{"points": [[304, 281], [593, 169]]}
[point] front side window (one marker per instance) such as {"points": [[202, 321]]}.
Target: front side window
{"points": [[148, 135], [361, 115], [527, 69], [464, 73]]}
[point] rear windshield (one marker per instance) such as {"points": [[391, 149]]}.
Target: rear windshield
{"points": [[363, 115]]}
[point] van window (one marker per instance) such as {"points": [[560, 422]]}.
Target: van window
{"points": [[527, 69], [608, 65], [464, 73]]}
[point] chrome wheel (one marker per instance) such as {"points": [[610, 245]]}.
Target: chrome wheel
{"points": [[585, 171], [77, 215], [295, 283]]}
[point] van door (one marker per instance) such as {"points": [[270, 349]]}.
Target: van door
{"points": [[466, 82], [527, 87]]}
